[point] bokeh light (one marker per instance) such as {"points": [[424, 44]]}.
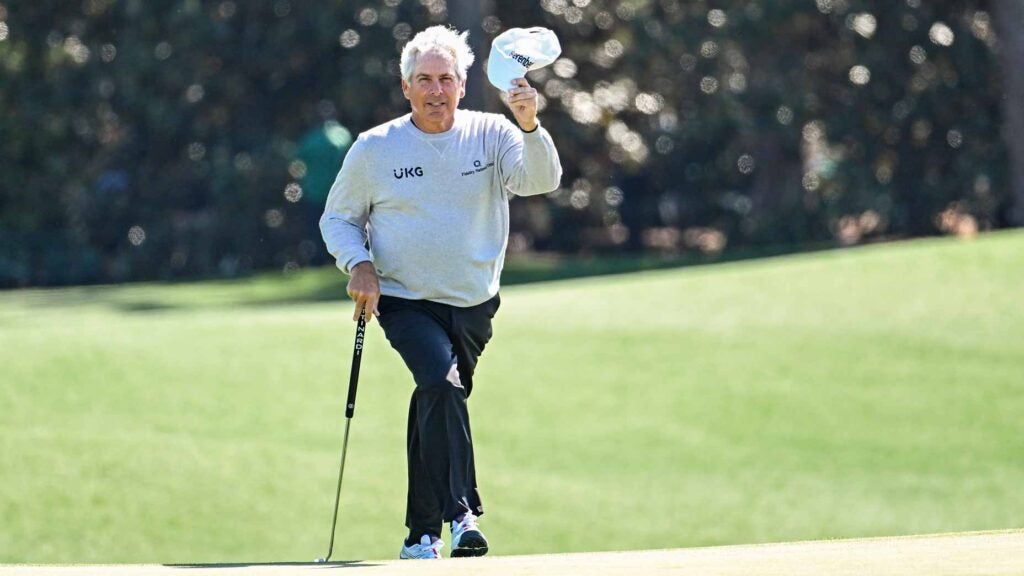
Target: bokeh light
{"points": [[368, 16], [613, 196], [709, 49], [293, 192], [297, 169], [74, 48], [136, 235], [784, 115], [745, 164], [564, 68], [863, 24], [941, 34], [194, 93], [163, 51], [918, 55], [717, 18], [273, 218], [108, 52], [349, 38], [613, 48], [196, 151], [860, 75], [954, 138]]}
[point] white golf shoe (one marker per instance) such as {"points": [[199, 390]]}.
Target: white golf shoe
{"points": [[467, 539], [429, 548]]}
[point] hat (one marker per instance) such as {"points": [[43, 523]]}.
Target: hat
{"points": [[518, 50]]}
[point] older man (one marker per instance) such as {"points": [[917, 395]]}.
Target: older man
{"points": [[418, 216]]}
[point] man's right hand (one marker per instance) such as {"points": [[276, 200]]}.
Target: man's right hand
{"points": [[364, 289]]}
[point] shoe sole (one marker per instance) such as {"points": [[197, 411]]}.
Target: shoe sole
{"points": [[470, 545], [469, 552]]}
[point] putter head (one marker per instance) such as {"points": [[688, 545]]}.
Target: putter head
{"points": [[320, 560]]}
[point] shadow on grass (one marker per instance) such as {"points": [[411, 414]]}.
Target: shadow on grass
{"points": [[339, 564], [327, 284]]}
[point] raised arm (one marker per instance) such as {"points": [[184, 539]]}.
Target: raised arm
{"points": [[528, 159]]}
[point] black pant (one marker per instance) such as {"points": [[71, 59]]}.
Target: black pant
{"points": [[440, 345]]}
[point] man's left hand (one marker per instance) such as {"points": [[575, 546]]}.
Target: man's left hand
{"points": [[522, 99]]}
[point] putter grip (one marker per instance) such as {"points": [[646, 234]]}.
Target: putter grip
{"points": [[357, 356]]}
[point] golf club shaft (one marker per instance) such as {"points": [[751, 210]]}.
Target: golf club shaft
{"points": [[350, 407], [337, 496]]}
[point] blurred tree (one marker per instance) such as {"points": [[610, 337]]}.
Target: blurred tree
{"points": [[159, 139], [1009, 18], [468, 16], [750, 123], [320, 154]]}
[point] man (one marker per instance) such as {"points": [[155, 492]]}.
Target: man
{"points": [[428, 192]]}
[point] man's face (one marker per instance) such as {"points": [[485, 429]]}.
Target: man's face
{"points": [[434, 92]]}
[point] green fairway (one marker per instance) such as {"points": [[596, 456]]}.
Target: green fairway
{"points": [[863, 392]]}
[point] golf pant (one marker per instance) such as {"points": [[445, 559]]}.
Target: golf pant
{"points": [[440, 345]]}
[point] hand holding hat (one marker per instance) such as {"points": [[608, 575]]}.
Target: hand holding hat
{"points": [[522, 100], [513, 53]]}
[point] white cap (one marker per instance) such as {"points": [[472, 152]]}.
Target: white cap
{"points": [[518, 50]]}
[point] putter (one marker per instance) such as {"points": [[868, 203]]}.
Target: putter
{"points": [[350, 408]]}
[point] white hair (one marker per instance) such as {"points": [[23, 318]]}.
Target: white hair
{"points": [[447, 40]]}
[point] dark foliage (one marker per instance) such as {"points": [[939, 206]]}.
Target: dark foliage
{"points": [[182, 138]]}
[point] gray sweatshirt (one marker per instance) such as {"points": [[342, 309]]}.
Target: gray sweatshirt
{"points": [[434, 207]]}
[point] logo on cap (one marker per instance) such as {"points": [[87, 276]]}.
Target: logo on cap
{"points": [[521, 59]]}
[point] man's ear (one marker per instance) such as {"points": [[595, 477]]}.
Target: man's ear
{"points": [[405, 88]]}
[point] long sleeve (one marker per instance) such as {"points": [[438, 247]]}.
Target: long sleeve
{"points": [[529, 161], [343, 224]]}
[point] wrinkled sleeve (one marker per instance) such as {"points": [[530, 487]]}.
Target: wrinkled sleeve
{"points": [[343, 224], [528, 161]]}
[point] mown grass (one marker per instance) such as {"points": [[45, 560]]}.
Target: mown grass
{"points": [[873, 391]]}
